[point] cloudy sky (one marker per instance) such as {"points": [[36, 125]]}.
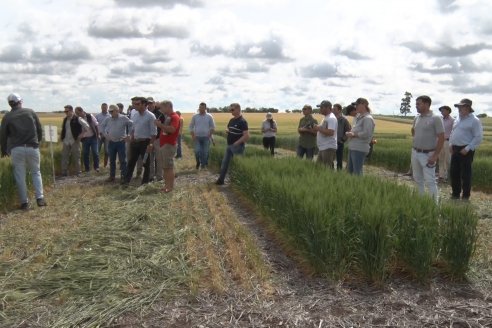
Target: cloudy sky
{"points": [[273, 53]]}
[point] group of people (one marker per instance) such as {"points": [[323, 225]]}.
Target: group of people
{"points": [[330, 136], [148, 136]]}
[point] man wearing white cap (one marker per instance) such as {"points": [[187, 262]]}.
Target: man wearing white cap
{"points": [[20, 136], [465, 137]]}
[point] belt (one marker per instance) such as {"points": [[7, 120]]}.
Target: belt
{"points": [[141, 139], [28, 146], [425, 151]]}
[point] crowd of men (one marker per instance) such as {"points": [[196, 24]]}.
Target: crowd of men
{"points": [[148, 137]]}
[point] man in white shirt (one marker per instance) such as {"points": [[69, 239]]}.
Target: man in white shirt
{"points": [[326, 137]]}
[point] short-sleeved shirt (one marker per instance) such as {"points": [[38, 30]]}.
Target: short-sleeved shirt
{"points": [[170, 139], [236, 128], [306, 139], [426, 129], [269, 124], [328, 142]]}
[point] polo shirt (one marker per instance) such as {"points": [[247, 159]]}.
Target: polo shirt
{"points": [[170, 139], [236, 127], [426, 129]]}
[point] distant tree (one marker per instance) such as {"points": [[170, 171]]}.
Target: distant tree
{"points": [[287, 111], [405, 107], [483, 115]]}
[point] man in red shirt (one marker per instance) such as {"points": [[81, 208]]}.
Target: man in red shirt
{"points": [[167, 141]]}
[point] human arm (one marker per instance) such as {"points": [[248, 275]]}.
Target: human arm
{"points": [[3, 136], [477, 133], [244, 138], [39, 128]]}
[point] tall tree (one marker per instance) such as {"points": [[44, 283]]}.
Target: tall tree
{"points": [[406, 107]]}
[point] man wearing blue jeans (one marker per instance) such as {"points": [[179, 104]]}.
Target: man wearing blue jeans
{"points": [[237, 135], [90, 139], [115, 130], [20, 136], [202, 127]]}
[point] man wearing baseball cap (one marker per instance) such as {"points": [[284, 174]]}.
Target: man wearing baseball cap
{"points": [[465, 137], [20, 136]]}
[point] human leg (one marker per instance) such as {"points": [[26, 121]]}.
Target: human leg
{"points": [[455, 174], [168, 153], [65, 155], [205, 147], [339, 155], [429, 176], [357, 159], [121, 151], [112, 148], [231, 150], [85, 153], [309, 153], [33, 159], [95, 153], [18, 159], [301, 151], [418, 171], [466, 174]]}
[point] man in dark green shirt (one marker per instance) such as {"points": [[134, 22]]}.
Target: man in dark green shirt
{"points": [[307, 133]]}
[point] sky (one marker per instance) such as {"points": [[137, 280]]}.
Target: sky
{"points": [[260, 53]]}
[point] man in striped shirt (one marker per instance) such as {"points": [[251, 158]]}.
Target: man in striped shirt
{"points": [[237, 135]]}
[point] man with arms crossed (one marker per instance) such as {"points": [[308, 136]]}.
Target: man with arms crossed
{"points": [[428, 139], [202, 127], [326, 138]]}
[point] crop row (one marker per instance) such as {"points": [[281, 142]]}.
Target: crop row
{"points": [[356, 226]]}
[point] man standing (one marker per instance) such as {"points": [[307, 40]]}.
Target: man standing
{"points": [[326, 138], [343, 127], [115, 130], [179, 152], [307, 133], [20, 136], [428, 139], [71, 133], [89, 139], [167, 143], [142, 139], [465, 137], [103, 115], [237, 135], [202, 127], [445, 155]]}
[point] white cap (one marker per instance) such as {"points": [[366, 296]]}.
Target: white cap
{"points": [[14, 97]]}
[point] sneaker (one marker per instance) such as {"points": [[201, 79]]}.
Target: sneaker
{"points": [[97, 170], [25, 206], [41, 202], [219, 182]]}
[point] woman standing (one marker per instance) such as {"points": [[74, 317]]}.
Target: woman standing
{"points": [[360, 136], [269, 130]]}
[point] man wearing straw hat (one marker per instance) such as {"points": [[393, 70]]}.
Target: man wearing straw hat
{"points": [[445, 155], [465, 137], [20, 136]]}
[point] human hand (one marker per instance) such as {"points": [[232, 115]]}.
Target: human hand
{"points": [[464, 151]]}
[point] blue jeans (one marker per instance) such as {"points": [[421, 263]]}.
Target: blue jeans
{"points": [[90, 145], [231, 150], [27, 158], [117, 148], [356, 161], [202, 146], [301, 151], [179, 153]]}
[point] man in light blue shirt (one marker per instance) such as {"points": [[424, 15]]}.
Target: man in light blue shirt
{"points": [[202, 127], [465, 137]]}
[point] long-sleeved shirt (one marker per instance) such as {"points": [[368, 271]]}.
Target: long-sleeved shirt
{"points": [[467, 131], [20, 126], [116, 128], [448, 126], [143, 125], [101, 117], [202, 125], [364, 128]]}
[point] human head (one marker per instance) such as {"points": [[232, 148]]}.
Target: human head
{"points": [[150, 104], [68, 109], [14, 100], [307, 110], [337, 109], [422, 103], [114, 110], [362, 105], [166, 107], [202, 108], [79, 111], [120, 107], [445, 110], [235, 109], [324, 107], [139, 103], [104, 108], [179, 113], [350, 110], [464, 106], [269, 116]]}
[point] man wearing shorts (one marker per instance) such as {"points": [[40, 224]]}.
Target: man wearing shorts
{"points": [[168, 143]]}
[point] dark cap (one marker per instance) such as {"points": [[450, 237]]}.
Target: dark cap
{"points": [[360, 101], [465, 102], [150, 100], [324, 103]]}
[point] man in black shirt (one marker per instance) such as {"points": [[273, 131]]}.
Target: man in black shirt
{"points": [[237, 135]]}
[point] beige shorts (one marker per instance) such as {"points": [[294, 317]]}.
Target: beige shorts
{"points": [[166, 154]]}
